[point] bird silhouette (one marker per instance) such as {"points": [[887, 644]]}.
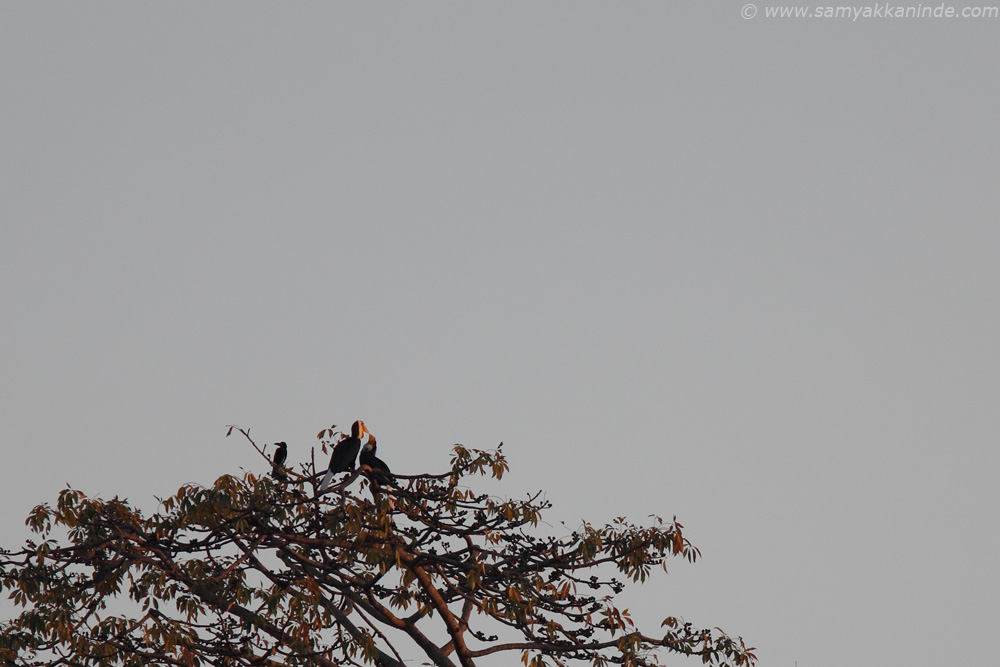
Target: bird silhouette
{"points": [[280, 456], [344, 454], [379, 468]]}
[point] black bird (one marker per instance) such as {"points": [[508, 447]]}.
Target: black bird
{"points": [[280, 456], [379, 468], [344, 454]]}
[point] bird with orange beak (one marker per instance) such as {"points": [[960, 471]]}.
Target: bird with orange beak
{"points": [[344, 454]]}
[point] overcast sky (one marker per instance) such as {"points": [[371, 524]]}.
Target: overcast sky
{"points": [[744, 272]]}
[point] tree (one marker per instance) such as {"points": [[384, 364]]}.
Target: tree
{"points": [[258, 570]]}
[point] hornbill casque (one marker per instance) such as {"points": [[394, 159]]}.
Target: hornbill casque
{"points": [[344, 454]]}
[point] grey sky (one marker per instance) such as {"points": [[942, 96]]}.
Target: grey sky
{"points": [[744, 272]]}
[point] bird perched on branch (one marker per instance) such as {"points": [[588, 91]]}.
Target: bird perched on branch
{"points": [[379, 468], [378, 471], [344, 454], [280, 456]]}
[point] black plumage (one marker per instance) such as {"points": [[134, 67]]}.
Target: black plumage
{"points": [[344, 454], [280, 456], [380, 470]]}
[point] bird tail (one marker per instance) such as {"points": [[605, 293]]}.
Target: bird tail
{"points": [[327, 479]]}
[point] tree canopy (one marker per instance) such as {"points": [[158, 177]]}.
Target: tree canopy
{"points": [[380, 570]]}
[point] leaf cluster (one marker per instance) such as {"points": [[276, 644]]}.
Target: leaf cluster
{"points": [[255, 570]]}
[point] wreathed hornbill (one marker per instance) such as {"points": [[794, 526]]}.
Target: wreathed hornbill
{"points": [[280, 456], [380, 470], [344, 454]]}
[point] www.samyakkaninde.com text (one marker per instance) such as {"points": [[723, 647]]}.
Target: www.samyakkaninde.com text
{"points": [[876, 11]]}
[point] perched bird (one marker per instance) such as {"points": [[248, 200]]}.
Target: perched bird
{"points": [[379, 468], [344, 454], [280, 456], [379, 472]]}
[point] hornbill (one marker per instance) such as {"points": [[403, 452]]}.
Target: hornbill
{"points": [[379, 472], [379, 468], [280, 456], [344, 454]]}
